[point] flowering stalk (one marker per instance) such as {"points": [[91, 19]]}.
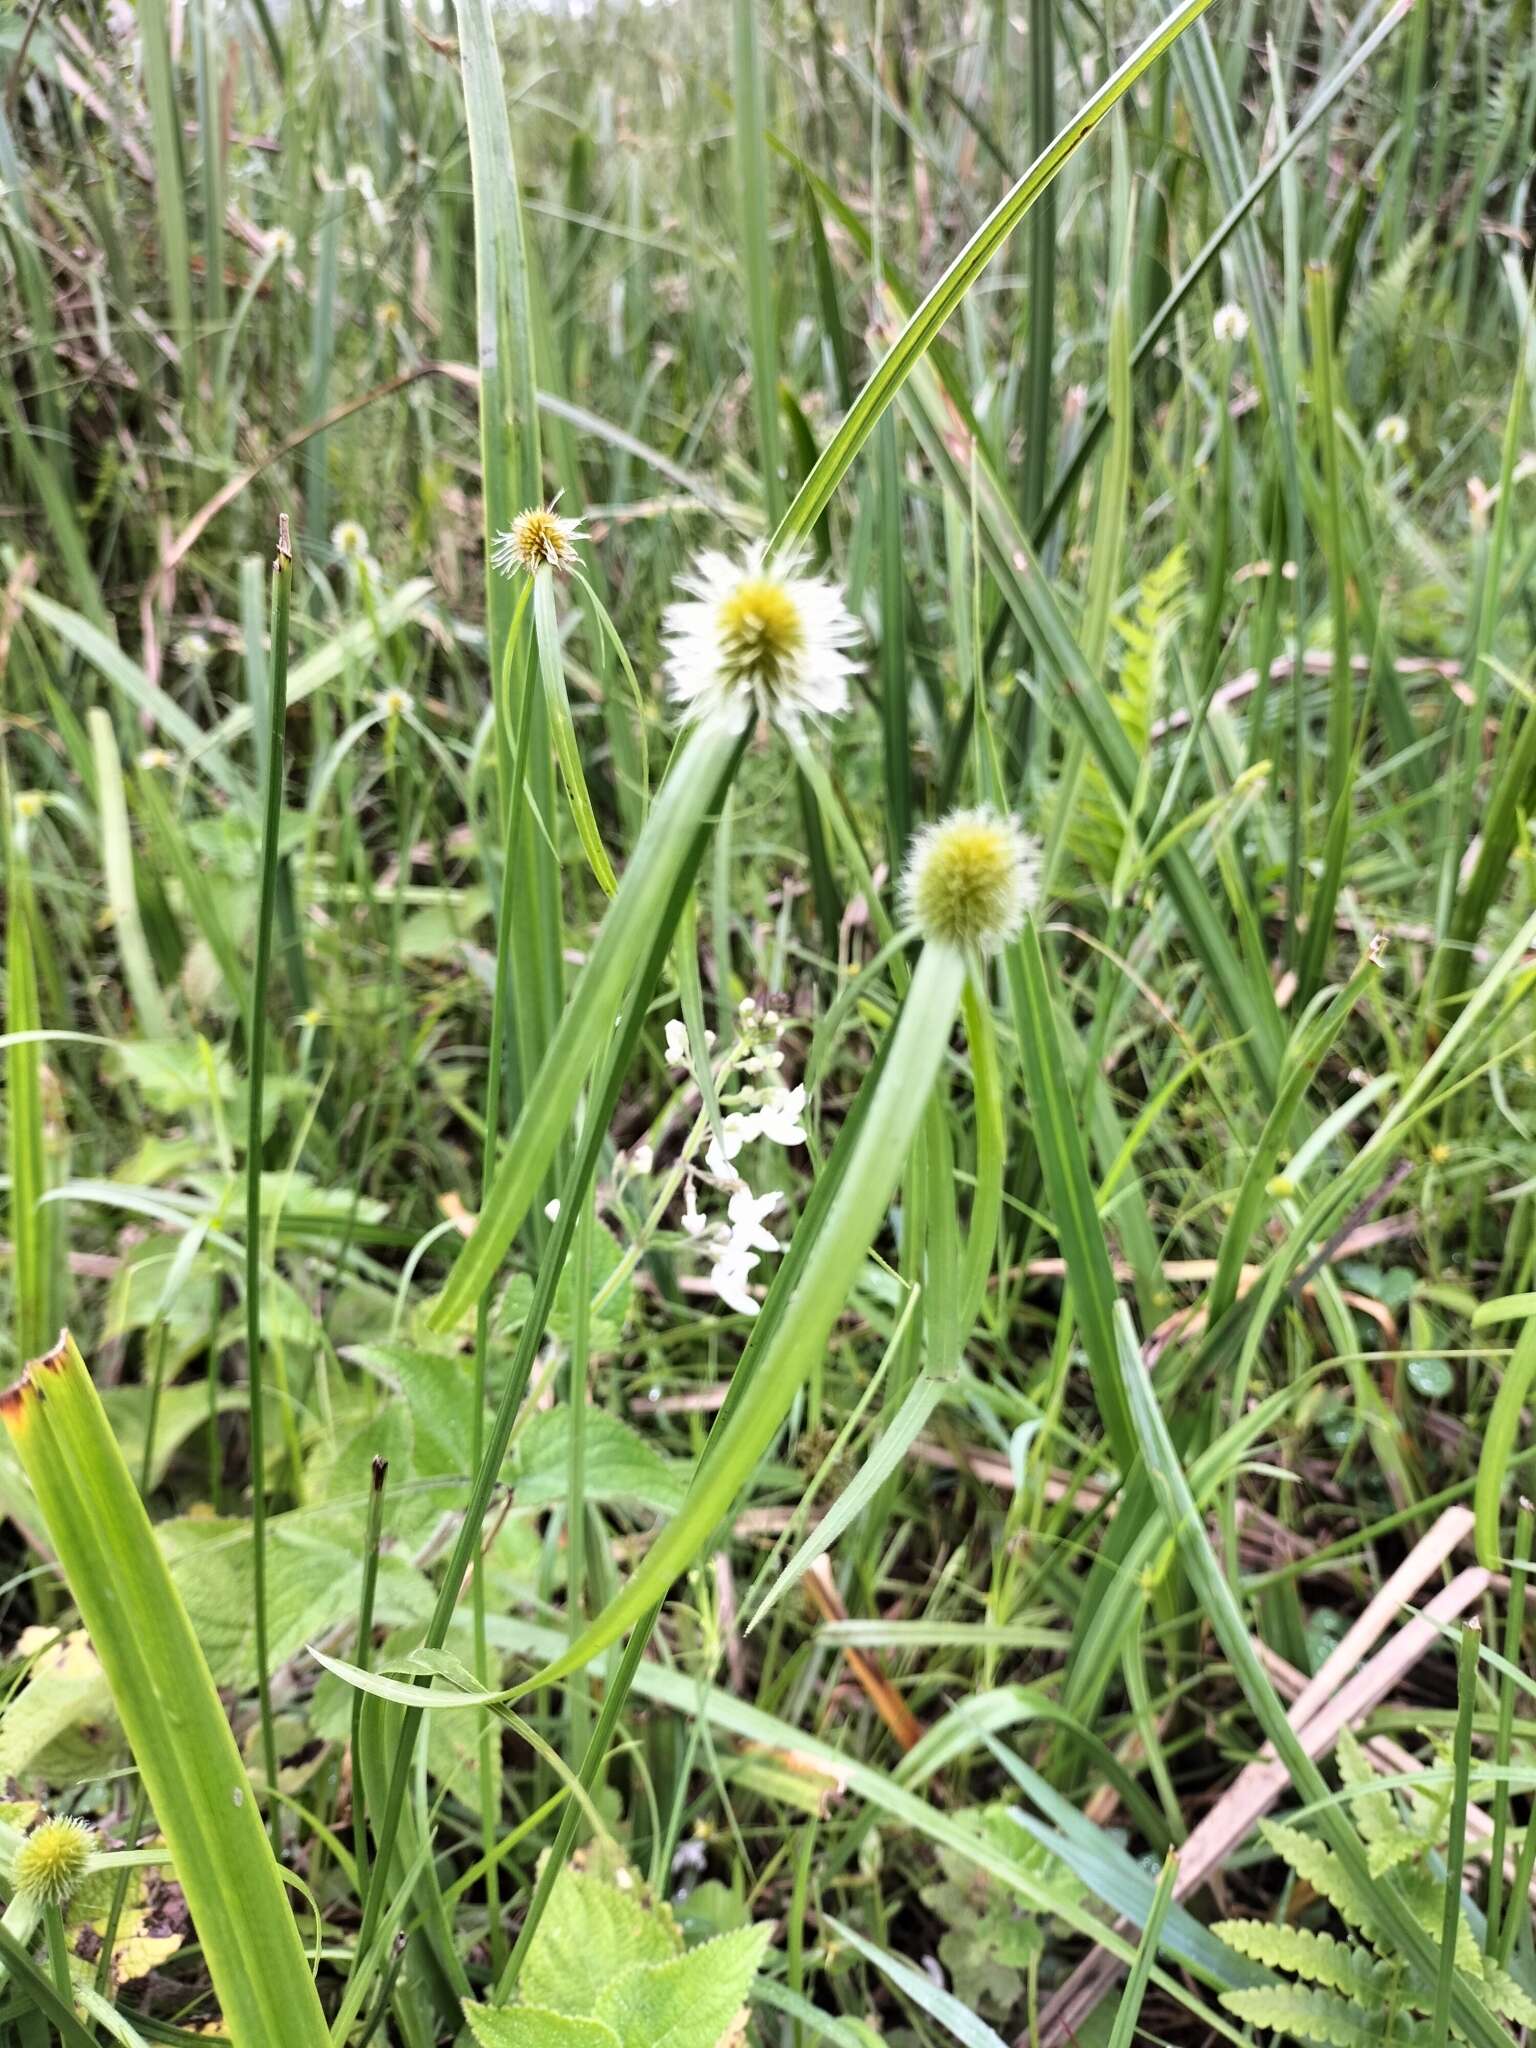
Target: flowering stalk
{"points": [[746, 642], [968, 885]]}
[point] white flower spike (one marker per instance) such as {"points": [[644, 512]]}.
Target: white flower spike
{"points": [[970, 881], [538, 539], [754, 639]]}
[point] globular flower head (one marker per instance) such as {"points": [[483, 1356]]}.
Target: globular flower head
{"points": [[537, 539], [970, 880], [756, 639], [280, 243], [350, 539], [51, 1862], [1230, 323], [1391, 431]]}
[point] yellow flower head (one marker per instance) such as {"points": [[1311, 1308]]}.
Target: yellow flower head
{"points": [[970, 880]]}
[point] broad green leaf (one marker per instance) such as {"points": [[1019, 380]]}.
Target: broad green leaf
{"points": [[689, 2002], [591, 1932], [620, 1466], [515, 2026]]}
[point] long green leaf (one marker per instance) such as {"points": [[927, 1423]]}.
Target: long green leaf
{"points": [[167, 1701], [919, 333]]}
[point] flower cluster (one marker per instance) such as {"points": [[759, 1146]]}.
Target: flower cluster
{"points": [[762, 1107]]}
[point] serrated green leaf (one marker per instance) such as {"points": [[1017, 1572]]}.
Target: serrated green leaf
{"points": [[522, 2026], [689, 2002], [620, 1466], [590, 1933]]}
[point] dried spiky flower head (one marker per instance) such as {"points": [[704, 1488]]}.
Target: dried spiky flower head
{"points": [[538, 539], [48, 1867], [970, 880], [755, 638]]}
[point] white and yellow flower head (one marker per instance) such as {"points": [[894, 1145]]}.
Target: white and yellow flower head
{"points": [[349, 537], [756, 639], [970, 881], [1230, 324], [537, 539], [1391, 431]]}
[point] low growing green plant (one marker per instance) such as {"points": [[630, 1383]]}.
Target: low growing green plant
{"points": [[1354, 1990], [608, 1969]]}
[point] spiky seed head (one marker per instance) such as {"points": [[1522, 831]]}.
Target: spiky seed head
{"points": [[755, 638], [1230, 323], [51, 1862], [538, 539], [971, 880]]}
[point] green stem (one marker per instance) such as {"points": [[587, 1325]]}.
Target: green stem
{"points": [[256, 1039]]}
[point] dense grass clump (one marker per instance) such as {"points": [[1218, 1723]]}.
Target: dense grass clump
{"points": [[769, 942]]}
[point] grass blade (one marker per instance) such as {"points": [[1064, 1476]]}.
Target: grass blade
{"points": [[167, 1702]]}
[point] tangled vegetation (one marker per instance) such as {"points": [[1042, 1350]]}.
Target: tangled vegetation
{"points": [[767, 1234]]}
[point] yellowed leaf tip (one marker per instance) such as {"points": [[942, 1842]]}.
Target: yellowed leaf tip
{"points": [[27, 1394]]}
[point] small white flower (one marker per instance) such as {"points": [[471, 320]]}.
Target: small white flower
{"points": [[31, 803], [552, 1209], [677, 1043], [752, 639], [156, 757], [729, 1280], [1391, 431], [280, 243], [350, 540], [194, 650], [1230, 323], [694, 1222], [395, 703], [641, 1160], [538, 539], [736, 1129], [746, 1212], [779, 1117]]}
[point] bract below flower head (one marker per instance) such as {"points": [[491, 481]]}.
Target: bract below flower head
{"points": [[757, 639], [537, 539], [970, 880]]}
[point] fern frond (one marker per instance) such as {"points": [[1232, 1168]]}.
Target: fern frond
{"points": [[1320, 1868], [1320, 2016], [1319, 1958], [1374, 1810], [1505, 1997]]}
